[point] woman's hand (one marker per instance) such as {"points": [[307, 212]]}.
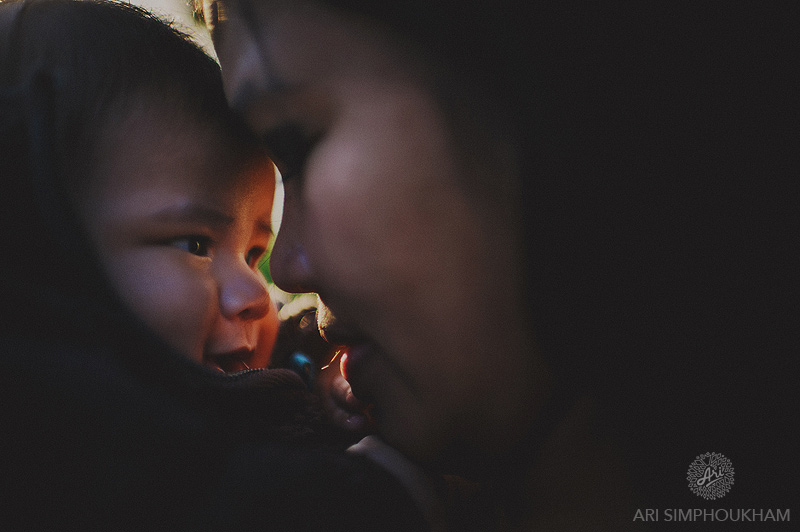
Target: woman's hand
{"points": [[342, 407]]}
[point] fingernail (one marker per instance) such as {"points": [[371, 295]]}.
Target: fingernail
{"points": [[350, 399], [356, 422]]}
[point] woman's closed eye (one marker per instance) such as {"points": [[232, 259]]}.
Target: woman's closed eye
{"points": [[194, 244], [289, 146]]}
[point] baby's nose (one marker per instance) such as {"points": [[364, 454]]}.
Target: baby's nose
{"points": [[244, 295]]}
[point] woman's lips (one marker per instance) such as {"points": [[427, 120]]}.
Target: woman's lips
{"points": [[356, 347]]}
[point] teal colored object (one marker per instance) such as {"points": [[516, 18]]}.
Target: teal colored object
{"points": [[302, 365]]}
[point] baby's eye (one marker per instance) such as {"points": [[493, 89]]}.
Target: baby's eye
{"points": [[196, 245], [254, 256]]}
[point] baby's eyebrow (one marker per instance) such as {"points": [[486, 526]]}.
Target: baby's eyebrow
{"points": [[194, 213]]}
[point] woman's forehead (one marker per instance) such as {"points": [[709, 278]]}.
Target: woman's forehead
{"points": [[301, 41]]}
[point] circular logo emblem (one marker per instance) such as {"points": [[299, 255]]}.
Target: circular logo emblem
{"points": [[710, 476]]}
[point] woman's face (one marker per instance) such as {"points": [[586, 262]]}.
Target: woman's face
{"points": [[416, 276], [181, 231]]}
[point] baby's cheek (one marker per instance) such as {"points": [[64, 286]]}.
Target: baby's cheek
{"points": [[184, 316], [180, 303], [161, 294]]}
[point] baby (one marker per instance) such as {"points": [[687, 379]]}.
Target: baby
{"points": [[179, 207], [168, 185], [173, 191]]}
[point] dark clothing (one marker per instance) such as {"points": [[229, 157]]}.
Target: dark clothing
{"points": [[91, 443]]}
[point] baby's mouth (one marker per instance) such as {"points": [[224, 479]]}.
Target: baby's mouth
{"points": [[231, 361]]}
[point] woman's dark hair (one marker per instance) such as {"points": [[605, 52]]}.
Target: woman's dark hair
{"points": [[68, 71]]}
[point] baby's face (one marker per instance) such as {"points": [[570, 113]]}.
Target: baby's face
{"points": [[181, 220]]}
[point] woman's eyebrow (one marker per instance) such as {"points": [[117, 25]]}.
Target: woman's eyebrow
{"points": [[194, 213]]}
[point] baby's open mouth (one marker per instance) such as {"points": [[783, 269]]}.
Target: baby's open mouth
{"points": [[230, 362]]}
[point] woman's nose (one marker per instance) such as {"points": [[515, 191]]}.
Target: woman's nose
{"points": [[244, 294], [289, 262]]}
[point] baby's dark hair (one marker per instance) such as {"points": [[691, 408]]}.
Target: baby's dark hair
{"points": [[100, 60], [69, 70]]}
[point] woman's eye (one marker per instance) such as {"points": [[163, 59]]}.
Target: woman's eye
{"points": [[289, 146], [254, 256], [196, 245]]}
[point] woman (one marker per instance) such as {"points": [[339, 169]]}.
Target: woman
{"points": [[521, 223]]}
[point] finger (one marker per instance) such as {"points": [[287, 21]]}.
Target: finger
{"points": [[342, 394], [357, 422]]}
